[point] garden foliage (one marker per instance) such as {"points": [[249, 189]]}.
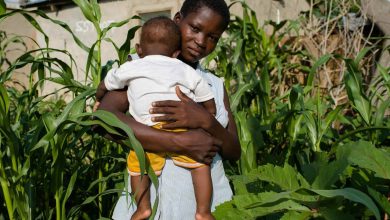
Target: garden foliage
{"points": [[308, 150]]}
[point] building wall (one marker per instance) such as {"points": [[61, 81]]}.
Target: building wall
{"points": [[119, 10]]}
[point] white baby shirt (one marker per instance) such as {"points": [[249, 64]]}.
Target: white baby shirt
{"points": [[154, 78]]}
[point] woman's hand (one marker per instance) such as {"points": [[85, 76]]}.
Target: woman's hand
{"points": [[181, 114], [197, 144]]}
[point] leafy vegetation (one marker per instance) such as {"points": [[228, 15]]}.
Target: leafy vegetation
{"points": [[307, 150], [312, 118]]}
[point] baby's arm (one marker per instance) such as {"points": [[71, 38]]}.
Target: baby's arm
{"points": [[209, 105]]}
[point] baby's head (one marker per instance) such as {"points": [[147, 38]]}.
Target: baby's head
{"points": [[159, 36]]}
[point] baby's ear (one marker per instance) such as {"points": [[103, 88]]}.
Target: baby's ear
{"points": [[176, 53], [139, 50]]}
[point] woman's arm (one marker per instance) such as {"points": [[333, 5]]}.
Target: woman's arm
{"points": [[154, 140], [189, 114]]}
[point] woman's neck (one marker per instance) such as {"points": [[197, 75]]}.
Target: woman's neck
{"points": [[193, 65]]}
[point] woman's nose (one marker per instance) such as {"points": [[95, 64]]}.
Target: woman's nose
{"points": [[200, 40]]}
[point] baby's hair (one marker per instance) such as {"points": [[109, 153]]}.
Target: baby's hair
{"points": [[218, 6], [161, 31]]}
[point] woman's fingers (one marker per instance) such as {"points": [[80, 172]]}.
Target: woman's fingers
{"points": [[172, 125], [218, 143], [165, 103], [163, 118], [162, 110]]}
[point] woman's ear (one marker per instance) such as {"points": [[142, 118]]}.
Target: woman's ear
{"points": [[177, 18]]}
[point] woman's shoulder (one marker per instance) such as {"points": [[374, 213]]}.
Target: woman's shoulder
{"points": [[213, 79]]}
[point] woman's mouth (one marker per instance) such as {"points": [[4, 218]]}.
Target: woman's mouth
{"points": [[193, 52]]}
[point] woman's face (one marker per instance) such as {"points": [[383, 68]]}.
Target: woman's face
{"points": [[200, 32]]}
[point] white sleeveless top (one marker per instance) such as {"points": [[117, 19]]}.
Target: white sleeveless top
{"points": [[176, 191]]}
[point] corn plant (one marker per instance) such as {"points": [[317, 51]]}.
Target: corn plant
{"points": [[299, 147], [48, 149]]}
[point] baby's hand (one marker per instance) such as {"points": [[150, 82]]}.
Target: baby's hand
{"points": [[96, 106]]}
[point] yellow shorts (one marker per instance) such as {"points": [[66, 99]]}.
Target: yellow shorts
{"points": [[157, 160]]}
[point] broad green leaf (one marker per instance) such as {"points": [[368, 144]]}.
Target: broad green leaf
{"points": [[352, 195], [227, 211], [329, 174], [278, 207], [286, 177], [365, 155], [380, 199], [244, 184], [295, 215], [334, 214]]}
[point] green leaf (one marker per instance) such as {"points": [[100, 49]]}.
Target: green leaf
{"points": [[124, 50], [334, 214], [362, 54], [328, 174], [352, 195], [380, 199], [4, 101], [227, 211], [3, 7], [236, 97], [294, 126], [69, 191], [287, 178], [87, 10], [365, 155], [112, 120], [295, 215], [312, 127], [321, 61], [353, 84], [279, 207], [244, 184], [381, 112]]}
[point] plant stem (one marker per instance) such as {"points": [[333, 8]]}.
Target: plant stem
{"points": [[6, 194], [58, 205], [98, 62]]}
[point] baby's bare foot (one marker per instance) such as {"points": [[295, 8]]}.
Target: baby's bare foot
{"points": [[204, 216], [141, 214]]}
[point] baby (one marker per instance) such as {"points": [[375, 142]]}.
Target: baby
{"points": [[154, 77]]}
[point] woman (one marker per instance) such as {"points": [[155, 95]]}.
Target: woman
{"points": [[201, 23]]}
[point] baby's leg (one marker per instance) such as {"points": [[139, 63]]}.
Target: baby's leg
{"points": [[141, 188], [203, 187]]}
